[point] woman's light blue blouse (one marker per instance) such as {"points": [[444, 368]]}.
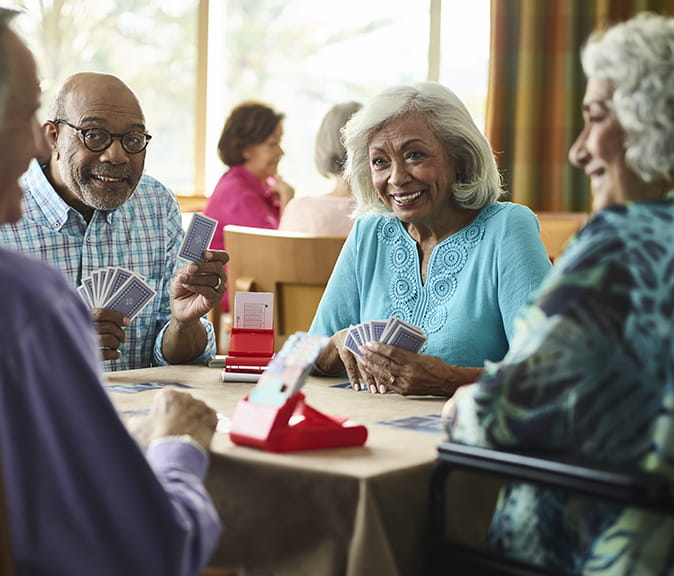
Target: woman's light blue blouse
{"points": [[477, 281]]}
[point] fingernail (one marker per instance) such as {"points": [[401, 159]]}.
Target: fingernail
{"points": [[373, 389], [382, 389], [356, 387]]}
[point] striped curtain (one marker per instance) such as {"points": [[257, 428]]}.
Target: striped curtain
{"points": [[536, 87]]}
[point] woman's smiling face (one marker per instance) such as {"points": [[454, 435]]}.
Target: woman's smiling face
{"points": [[411, 170], [600, 149]]}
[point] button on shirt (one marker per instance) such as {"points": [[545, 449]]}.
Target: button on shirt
{"points": [[143, 235]]}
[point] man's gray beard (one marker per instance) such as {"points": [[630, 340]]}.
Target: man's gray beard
{"points": [[106, 203]]}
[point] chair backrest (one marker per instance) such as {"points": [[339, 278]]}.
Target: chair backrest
{"points": [[294, 267], [6, 554], [557, 228]]}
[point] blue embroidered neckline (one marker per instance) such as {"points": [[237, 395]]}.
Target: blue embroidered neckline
{"points": [[426, 304]]}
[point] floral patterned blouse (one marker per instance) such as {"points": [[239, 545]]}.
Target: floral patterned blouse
{"points": [[590, 371]]}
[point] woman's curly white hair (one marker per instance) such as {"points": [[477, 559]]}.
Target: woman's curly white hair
{"points": [[637, 58]]}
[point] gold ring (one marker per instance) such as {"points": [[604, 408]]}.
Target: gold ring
{"points": [[391, 380], [218, 284]]}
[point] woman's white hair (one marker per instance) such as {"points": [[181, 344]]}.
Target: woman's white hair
{"points": [[636, 57], [478, 181]]}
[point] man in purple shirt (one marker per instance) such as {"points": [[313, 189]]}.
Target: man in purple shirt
{"points": [[82, 498]]}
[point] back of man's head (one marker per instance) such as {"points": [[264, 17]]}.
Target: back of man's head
{"points": [[6, 16]]}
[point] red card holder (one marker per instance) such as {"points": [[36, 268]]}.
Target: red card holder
{"points": [[249, 350], [292, 426]]}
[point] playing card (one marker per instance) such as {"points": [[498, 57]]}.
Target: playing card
{"points": [[82, 291], [362, 336], [254, 310], [106, 279], [377, 328], [132, 297], [392, 325], [393, 331], [367, 331], [198, 237], [117, 279], [116, 288], [403, 337], [88, 284], [95, 286], [351, 343]]}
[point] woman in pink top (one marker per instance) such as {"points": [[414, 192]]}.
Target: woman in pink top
{"points": [[327, 214], [250, 193]]}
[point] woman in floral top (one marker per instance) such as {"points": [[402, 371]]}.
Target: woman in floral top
{"points": [[590, 370]]}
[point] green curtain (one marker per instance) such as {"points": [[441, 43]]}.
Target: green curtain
{"points": [[536, 87]]}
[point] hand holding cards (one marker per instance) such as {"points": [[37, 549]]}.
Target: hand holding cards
{"points": [[393, 331], [198, 237], [117, 289]]}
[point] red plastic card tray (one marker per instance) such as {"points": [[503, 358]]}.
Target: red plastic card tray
{"points": [[291, 427], [249, 350]]}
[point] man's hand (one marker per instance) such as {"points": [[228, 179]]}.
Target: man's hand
{"points": [[175, 413], [110, 326], [198, 286]]}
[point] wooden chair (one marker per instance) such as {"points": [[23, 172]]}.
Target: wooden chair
{"points": [[294, 267], [648, 490], [557, 228]]}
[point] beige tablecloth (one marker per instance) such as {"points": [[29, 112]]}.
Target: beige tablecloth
{"points": [[357, 511]]}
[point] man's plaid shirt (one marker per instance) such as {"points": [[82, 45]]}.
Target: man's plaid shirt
{"points": [[143, 235]]}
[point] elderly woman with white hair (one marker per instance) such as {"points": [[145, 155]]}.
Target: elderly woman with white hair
{"points": [[590, 371], [433, 246]]}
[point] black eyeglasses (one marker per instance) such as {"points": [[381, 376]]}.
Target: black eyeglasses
{"points": [[99, 139]]}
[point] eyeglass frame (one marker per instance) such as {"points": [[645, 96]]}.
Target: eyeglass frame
{"points": [[83, 132]]}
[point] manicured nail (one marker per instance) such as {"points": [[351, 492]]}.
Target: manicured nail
{"points": [[382, 389]]}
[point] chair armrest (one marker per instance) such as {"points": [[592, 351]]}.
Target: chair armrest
{"points": [[636, 488]]}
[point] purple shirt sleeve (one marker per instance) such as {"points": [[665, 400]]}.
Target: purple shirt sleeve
{"points": [[82, 497], [181, 469]]}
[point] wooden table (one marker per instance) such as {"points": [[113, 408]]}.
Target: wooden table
{"points": [[343, 511]]}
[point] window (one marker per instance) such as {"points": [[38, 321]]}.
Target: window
{"points": [[300, 56], [150, 45], [464, 53], [303, 56]]}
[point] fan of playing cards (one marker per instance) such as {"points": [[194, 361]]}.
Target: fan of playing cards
{"points": [[118, 289], [393, 331]]}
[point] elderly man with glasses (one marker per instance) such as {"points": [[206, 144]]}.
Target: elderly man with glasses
{"points": [[89, 206]]}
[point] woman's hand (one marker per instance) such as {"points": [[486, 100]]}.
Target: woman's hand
{"points": [[336, 358], [283, 191], [386, 367]]}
